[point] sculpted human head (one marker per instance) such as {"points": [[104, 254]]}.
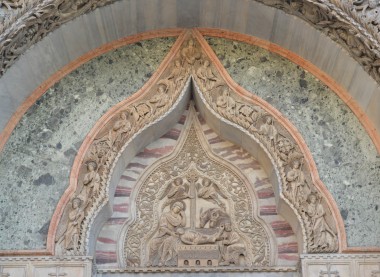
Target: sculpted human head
{"points": [[312, 198], [76, 202], [177, 207], [91, 166]]}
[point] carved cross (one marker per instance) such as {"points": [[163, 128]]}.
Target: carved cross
{"points": [[375, 273], [57, 273], [329, 273], [2, 274], [192, 178]]}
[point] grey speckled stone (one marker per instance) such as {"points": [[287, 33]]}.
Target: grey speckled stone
{"points": [[344, 154], [35, 163]]}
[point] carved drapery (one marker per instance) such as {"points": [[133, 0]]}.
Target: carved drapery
{"points": [[353, 24], [214, 203], [297, 186]]}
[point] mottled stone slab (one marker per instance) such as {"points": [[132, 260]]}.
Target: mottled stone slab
{"points": [[36, 161], [346, 158]]}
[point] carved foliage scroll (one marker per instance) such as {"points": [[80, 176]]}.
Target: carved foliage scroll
{"points": [[193, 210], [353, 24]]}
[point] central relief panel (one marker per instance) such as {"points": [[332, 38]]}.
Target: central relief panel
{"points": [[194, 209]]}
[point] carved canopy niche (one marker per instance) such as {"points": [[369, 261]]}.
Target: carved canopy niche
{"points": [[194, 209], [216, 94]]}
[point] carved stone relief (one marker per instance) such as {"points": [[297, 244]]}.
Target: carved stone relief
{"points": [[353, 24], [297, 187], [91, 191], [193, 210]]}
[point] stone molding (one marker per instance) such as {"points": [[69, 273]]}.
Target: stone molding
{"points": [[339, 265], [352, 24], [101, 149], [118, 127], [37, 266], [37, 93]]}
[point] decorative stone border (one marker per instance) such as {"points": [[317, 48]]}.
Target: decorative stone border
{"points": [[354, 26], [37, 93], [326, 79], [102, 147], [74, 177]]}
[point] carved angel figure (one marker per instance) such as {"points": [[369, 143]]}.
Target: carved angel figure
{"points": [[162, 248], [324, 236], [175, 191], [91, 184], [210, 192]]}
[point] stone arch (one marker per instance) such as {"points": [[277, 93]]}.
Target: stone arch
{"points": [[192, 161], [129, 120]]}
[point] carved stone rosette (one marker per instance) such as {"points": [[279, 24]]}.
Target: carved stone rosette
{"points": [[192, 209]]}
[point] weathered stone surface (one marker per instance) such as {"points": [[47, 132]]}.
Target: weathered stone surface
{"points": [[36, 161], [345, 156]]}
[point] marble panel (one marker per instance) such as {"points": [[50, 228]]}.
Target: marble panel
{"points": [[36, 161], [345, 156]]}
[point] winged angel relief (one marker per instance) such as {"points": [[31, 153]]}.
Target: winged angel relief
{"points": [[199, 213]]}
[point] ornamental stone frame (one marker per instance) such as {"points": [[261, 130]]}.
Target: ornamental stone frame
{"points": [[226, 107]]}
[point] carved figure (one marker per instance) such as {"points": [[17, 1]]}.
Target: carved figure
{"points": [[178, 74], [121, 127], [363, 6], [175, 191], [70, 238], [213, 216], [231, 247], [324, 236], [194, 237], [91, 184], [12, 4], [191, 53], [161, 98], [296, 180], [210, 192], [269, 130], [162, 247], [206, 75]]}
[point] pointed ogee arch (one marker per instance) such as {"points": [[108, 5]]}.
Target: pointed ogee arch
{"points": [[217, 96]]}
